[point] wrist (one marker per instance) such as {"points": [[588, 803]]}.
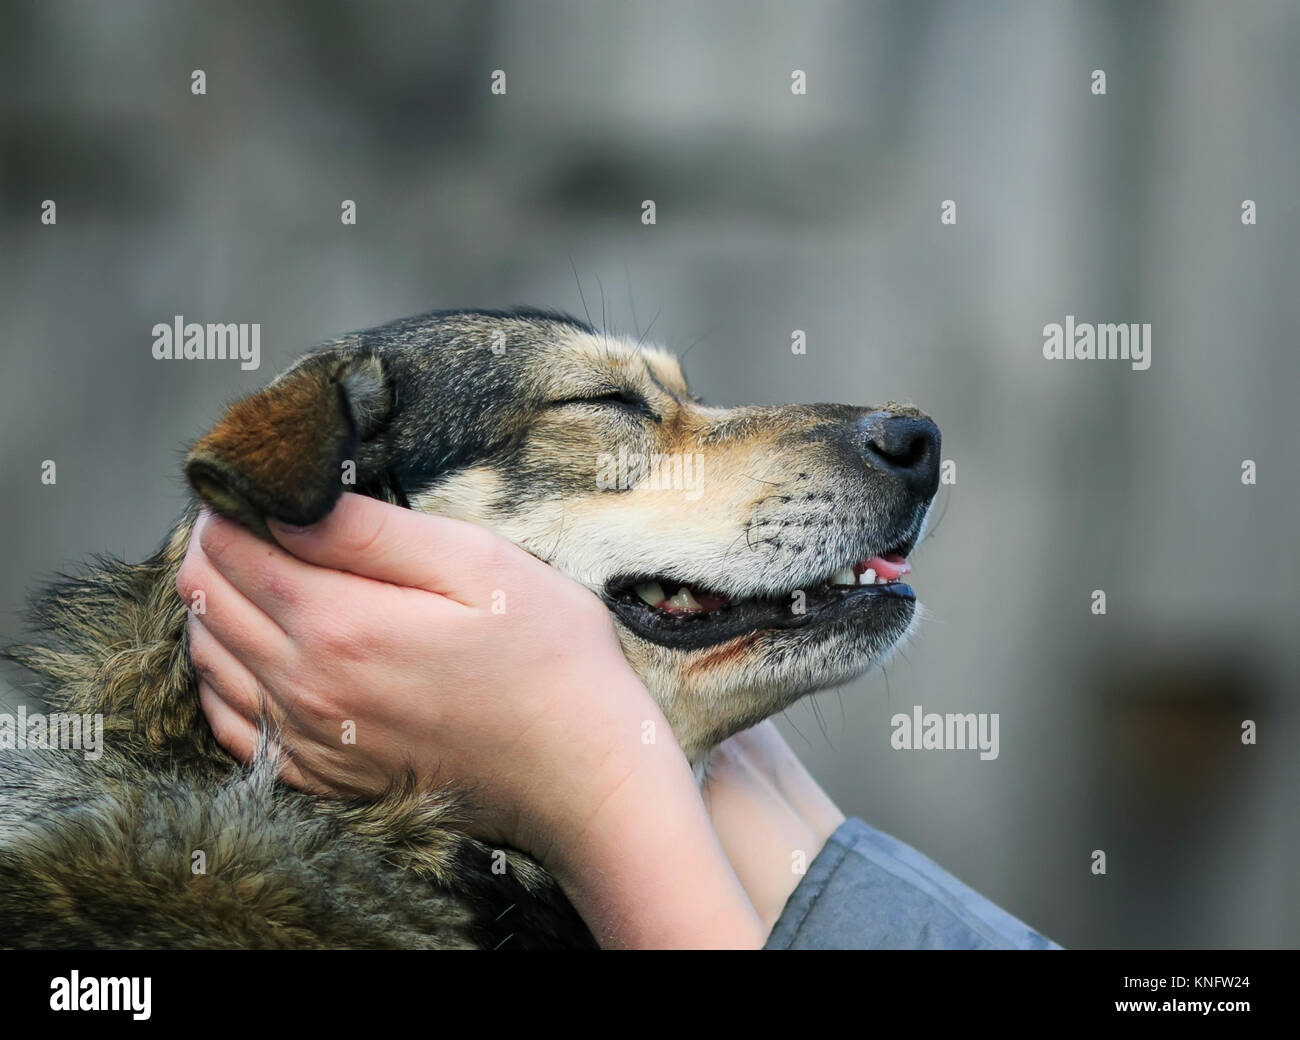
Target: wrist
{"points": [[646, 870]]}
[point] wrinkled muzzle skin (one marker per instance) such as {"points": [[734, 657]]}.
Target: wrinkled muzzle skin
{"points": [[591, 453]]}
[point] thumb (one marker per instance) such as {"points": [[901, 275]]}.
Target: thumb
{"points": [[373, 539]]}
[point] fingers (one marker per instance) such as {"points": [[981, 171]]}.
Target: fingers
{"points": [[757, 769], [230, 695], [242, 738], [233, 731], [224, 673], [238, 623], [261, 573], [254, 697], [386, 543], [293, 594]]}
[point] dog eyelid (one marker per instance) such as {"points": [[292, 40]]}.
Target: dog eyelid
{"points": [[626, 399]]}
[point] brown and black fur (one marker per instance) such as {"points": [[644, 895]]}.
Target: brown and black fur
{"points": [[496, 418]]}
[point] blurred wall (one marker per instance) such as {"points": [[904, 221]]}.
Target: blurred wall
{"points": [[775, 212]]}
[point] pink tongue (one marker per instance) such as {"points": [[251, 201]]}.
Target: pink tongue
{"points": [[888, 567]]}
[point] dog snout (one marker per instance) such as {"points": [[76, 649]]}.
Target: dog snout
{"points": [[905, 447]]}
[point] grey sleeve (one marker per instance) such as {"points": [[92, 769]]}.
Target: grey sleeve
{"points": [[866, 890]]}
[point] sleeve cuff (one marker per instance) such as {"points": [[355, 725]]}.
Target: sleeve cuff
{"points": [[866, 890]]}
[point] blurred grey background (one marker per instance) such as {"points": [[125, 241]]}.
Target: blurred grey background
{"points": [[775, 212]]}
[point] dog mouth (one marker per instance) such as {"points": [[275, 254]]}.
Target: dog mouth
{"points": [[689, 615]]}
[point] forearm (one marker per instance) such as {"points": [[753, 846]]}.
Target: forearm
{"points": [[646, 876]]}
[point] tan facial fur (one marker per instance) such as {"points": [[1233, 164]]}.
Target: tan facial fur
{"points": [[776, 505]]}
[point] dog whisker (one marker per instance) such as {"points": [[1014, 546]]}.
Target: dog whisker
{"points": [[631, 302], [581, 295]]}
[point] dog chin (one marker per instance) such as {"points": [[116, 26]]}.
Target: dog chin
{"points": [[712, 692], [786, 666]]}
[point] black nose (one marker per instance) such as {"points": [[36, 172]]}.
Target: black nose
{"points": [[906, 448]]}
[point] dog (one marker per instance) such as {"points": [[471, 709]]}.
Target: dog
{"points": [[749, 556]]}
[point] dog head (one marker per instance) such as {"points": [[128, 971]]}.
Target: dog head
{"points": [[748, 555]]}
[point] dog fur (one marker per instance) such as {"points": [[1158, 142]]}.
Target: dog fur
{"points": [[498, 418]]}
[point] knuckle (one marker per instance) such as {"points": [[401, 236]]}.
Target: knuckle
{"points": [[467, 540], [202, 661], [216, 536], [226, 727], [188, 578], [282, 589], [334, 640], [313, 705], [198, 644], [496, 558], [364, 528], [231, 689]]}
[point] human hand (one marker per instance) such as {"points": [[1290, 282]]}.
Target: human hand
{"points": [[531, 705], [769, 813]]}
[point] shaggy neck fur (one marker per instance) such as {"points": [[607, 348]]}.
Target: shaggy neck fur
{"points": [[114, 643]]}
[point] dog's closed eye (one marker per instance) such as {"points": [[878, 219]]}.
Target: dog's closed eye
{"points": [[628, 400]]}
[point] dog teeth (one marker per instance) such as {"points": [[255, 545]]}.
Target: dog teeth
{"points": [[684, 600], [848, 576], [651, 591]]}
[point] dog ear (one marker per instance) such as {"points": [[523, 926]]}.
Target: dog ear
{"points": [[288, 451]]}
